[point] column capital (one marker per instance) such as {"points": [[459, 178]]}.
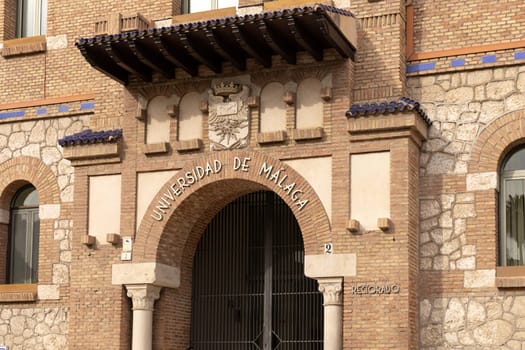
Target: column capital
{"points": [[143, 296], [332, 289]]}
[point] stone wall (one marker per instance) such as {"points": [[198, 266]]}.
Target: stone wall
{"points": [[34, 328], [460, 105], [29, 145], [460, 306], [496, 322], [39, 139]]}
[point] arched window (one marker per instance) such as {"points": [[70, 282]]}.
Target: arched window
{"points": [[23, 237], [512, 210]]}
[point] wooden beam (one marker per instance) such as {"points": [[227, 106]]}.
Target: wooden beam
{"points": [[304, 39], [127, 60], [152, 59], [232, 55], [176, 55], [257, 53], [196, 52], [276, 43], [104, 64], [335, 38], [410, 30]]}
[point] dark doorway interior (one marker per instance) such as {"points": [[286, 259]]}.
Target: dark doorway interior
{"points": [[249, 288]]}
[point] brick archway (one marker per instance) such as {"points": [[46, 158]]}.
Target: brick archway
{"points": [[19, 171], [173, 239], [496, 140]]}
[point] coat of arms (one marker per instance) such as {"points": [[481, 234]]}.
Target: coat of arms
{"points": [[228, 116]]}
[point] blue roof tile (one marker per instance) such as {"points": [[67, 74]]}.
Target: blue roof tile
{"points": [[89, 136], [400, 105]]}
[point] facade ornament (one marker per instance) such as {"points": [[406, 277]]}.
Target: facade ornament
{"points": [[228, 116], [143, 296], [332, 289]]}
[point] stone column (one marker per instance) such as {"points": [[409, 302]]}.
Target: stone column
{"points": [[143, 297], [332, 289]]}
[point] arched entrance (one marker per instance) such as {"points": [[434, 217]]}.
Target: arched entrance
{"points": [[161, 273], [249, 288]]}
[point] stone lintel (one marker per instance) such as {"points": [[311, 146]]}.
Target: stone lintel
{"points": [[48, 292], [330, 265], [482, 181], [479, 279], [49, 211], [402, 124], [146, 273]]}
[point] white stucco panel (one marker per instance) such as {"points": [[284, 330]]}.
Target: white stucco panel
{"points": [[318, 173], [148, 184], [49, 211], [370, 188], [104, 206]]}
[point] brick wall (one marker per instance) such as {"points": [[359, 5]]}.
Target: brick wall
{"points": [[442, 250], [455, 25]]}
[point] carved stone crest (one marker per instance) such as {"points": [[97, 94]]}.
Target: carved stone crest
{"points": [[228, 116]]}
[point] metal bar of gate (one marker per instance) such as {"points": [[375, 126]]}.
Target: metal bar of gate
{"points": [[268, 272]]}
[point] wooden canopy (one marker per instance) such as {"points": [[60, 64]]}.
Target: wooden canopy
{"points": [[231, 39]]}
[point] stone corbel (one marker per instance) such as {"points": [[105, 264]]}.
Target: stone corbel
{"points": [[204, 107], [289, 98], [172, 110], [141, 113], [253, 101]]}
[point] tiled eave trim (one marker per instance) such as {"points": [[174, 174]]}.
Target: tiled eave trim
{"points": [[459, 61], [390, 107], [47, 108], [88, 137]]}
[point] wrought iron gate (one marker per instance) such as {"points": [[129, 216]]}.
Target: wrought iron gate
{"points": [[249, 288]]}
